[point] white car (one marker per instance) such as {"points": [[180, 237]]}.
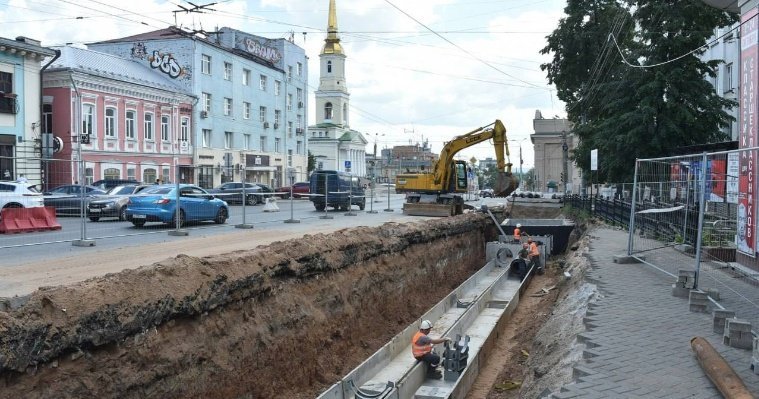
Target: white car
{"points": [[15, 194]]}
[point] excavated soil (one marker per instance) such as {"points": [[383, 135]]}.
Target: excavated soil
{"points": [[282, 320]]}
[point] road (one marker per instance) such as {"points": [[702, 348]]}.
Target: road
{"points": [[27, 264]]}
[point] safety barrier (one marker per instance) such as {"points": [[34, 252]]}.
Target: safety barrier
{"points": [[21, 220]]}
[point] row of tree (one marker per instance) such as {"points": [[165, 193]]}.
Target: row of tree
{"points": [[632, 81]]}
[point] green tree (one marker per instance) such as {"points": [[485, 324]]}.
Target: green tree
{"points": [[311, 163], [658, 103]]}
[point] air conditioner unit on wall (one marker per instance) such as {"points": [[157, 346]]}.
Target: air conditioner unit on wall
{"points": [[299, 130], [276, 125], [300, 104], [204, 114], [266, 125]]}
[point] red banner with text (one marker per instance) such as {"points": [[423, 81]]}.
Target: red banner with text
{"points": [[748, 135]]}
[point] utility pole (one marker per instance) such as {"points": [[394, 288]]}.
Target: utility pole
{"points": [[565, 148]]}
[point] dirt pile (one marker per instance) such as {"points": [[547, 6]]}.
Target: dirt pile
{"points": [[283, 320]]}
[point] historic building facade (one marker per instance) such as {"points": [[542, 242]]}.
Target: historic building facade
{"points": [[20, 112], [331, 140], [250, 117], [120, 117]]}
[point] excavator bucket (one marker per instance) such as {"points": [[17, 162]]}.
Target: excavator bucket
{"points": [[505, 184]]}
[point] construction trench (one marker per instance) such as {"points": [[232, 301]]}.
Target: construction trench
{"points": [[285, 320]]}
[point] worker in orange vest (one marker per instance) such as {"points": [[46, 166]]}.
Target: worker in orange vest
{"points": [[518, 233], [535, 255], [421, 348]]}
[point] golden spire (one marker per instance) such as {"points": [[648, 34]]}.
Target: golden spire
{"points": [[332, 42]]}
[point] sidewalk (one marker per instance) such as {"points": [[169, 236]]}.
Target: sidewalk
{"points": [[638, 335]]}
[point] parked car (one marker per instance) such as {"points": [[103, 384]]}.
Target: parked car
{"points": [[158, 203], [113, 202], [232, 192], [108, 184], [14, 194], [67, 199], [486, 193], [298, 189]]}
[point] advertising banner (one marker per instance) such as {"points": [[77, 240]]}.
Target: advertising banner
{"points": [[747, 136]]}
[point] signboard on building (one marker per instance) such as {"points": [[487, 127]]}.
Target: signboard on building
{"points": [[256, 160], [347, 166], [747, 136], [594, 159]]}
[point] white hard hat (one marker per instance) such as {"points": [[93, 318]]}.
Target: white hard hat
{"points": [[426, 324], [519, 225]]}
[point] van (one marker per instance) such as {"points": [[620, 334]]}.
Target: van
{"points": [[337, 189]]}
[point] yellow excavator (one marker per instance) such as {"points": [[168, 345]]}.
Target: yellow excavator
{"points": [[440, 192]]}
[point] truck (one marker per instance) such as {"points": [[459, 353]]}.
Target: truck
{"points": [[440, 192]]}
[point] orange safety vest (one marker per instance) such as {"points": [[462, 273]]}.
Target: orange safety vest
{"points": [[517, 234], [419, 350], [534, 249]]}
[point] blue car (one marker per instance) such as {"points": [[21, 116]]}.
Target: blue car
{"points": [[158, 204]]}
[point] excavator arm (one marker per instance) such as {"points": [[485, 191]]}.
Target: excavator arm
{"points": [[496, 131]]}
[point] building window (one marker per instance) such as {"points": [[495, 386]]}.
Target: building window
{"points": [[148, 126], [345, 114], [88, 119], [300, 95], [299, 147], [184, 129], [227, 106], [277, 116], [130, 124], [276, 144], [205, 64], [262, 114], [263, 143], [300, 69], [206, 138], [299, 120], [47, 118], [246, 110], [227, 71], [245, 141], [165, 174], [289, 73], [89, 175], [111, 174], [289, 102], [228, 140], [206, 98], [290, 158], [277, 87], [328, 111], [165, 128], [131, 173], [7, 104], [290, 128], [246, 77], [149, 175], [110, 122], [728, 78], [262, 82], [329, 66]]}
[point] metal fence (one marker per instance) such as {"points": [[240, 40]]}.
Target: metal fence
{"points": [[103, 199], [686, 216]]}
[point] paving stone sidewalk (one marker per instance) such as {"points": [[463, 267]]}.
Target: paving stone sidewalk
{"points": [[638, 335]]}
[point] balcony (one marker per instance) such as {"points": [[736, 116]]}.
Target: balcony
{"points": [[727, 5]]}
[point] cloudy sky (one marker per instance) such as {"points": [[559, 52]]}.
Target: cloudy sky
{"points": [[416, 70]]}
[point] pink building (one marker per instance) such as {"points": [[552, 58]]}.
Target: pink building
{"points": [[134, 122]]}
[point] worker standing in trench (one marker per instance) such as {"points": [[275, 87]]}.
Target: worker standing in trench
{"points": [[518, 233], [421, 348], [535, 256]]}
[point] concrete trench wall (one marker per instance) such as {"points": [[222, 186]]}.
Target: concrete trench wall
{"points": [[287, 319]]}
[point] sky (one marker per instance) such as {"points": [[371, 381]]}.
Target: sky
{"points": [[421, 70]]}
